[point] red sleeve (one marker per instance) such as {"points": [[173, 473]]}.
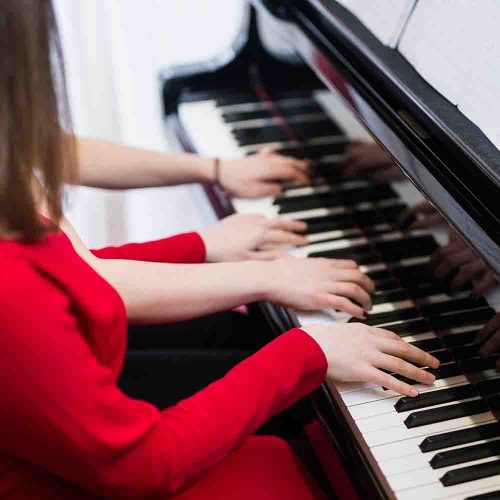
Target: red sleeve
{"points": [[66, 414], [187, 248]]}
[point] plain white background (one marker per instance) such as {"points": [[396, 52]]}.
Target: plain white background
{"points": [[114, 51]]}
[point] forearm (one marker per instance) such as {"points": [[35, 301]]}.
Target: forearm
{"points": [[162, 293], [109, 165]]}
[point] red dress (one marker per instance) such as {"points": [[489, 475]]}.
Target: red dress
{"points": [[66, 429]]}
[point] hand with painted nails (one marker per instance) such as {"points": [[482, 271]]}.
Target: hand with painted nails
{"points": [[488, 338], [368, 159], [459, 260], [261, 174], [360, 353], [310, 284], [421, 216], [244, 237]]}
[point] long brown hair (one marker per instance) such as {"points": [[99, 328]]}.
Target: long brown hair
{"points": [[35, 125]]}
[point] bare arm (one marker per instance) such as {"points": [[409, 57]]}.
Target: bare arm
{"points": [[114, 166], [157, 292], [109, 165]]}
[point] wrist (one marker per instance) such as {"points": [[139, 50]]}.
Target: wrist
{"points": [[206, 171], [265, 280]]}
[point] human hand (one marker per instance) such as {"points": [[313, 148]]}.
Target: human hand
{"points": [[369, 159], [243, 237], [261, 174], [489, 338], [457, 255], [359, 353], [316, 283], [420, 216]]}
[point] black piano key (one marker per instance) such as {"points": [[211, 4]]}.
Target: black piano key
{"points": [[471, 473], [434, 415], [228, 99], [316, 151], [273, 133], [463, 318], [452, 305], [380, 275], [444, 371], [267, 111], [413, 327], [489, 388], [465, 352], [444, 356], [428, 345], [459, 437], [459, 339], [386, 284], [390, 296], [311, 129], [492, 495], [260, 135], [433, 398], [392, 316], [239, 116], [478, 364], [465, 454], [362, 255], [333, 199]]}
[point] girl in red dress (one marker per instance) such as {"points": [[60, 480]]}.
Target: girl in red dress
{"points": [[66, 429]]}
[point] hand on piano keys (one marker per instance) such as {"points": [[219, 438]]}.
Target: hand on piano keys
{"points": [[246, 236], [261, 174], [359, 353]]}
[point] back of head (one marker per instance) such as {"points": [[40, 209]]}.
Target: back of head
{"points": [[36, 145]]}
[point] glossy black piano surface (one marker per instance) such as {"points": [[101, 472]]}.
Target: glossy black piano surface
{"points": [[448, 159]]}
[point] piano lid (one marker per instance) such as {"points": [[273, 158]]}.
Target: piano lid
{"points": [[443, 153]]}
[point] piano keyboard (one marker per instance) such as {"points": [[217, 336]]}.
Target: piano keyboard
{"points": [[446, 442]]}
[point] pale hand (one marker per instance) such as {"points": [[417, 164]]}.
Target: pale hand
{"points": [[261, 174], [316, 283], [243, 237], [359, 353]]}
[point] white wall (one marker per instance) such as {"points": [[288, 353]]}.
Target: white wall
{"points": [[114, 51]]}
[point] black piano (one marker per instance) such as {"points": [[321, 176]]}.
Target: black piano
{"points": [[307, 78]]}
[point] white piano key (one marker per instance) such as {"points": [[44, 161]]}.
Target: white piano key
{"points": [[262, 206], [306, 191], [383, 406], [419, 460], [400, 433], [395, 419], [392, 306], [215, 139], [355, 394], [425, 475], [410, 446], [334, 234], [481, 491], [327, 246], [436, 490], [314, 212]]}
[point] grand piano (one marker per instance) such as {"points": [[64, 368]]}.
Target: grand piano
{"points": [[307, 77]]}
